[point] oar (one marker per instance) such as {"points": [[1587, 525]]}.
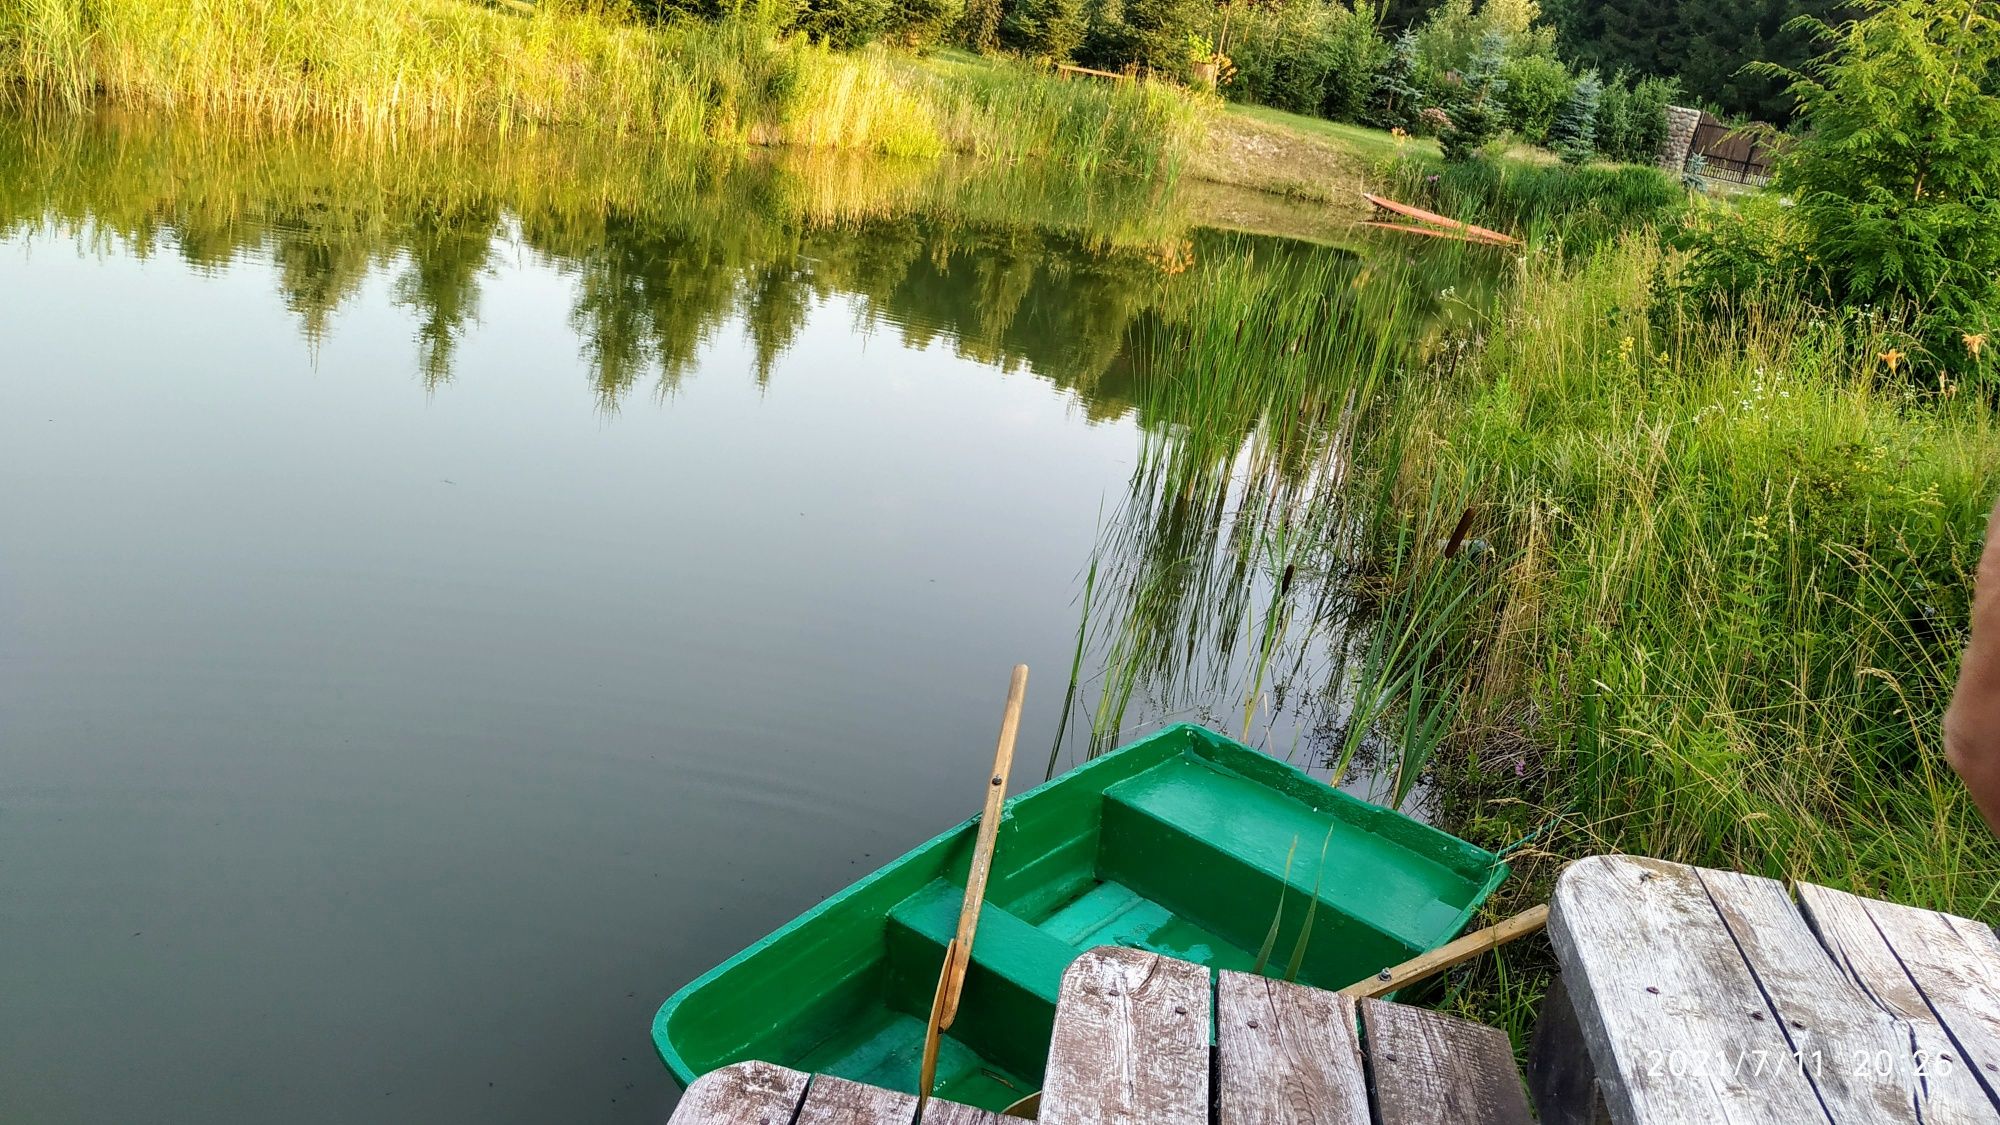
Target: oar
{"points": [[1444, 957], [958, 953]]}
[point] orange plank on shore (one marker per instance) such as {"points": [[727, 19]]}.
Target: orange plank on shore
{"points": [[1435, 219]]}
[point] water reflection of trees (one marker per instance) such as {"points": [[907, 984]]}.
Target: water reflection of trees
{"points": [[665, 251]]}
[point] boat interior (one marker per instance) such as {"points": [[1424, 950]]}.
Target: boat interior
{"points": [[1185, 844]]}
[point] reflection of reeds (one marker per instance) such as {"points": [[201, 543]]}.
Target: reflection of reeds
{"points": [[1259, 562]]}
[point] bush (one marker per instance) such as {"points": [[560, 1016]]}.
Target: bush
{"points": [[1309, 56], [1894, 215], [844, 24], [1537, 87], [922, 23], [1351, 51], [1632, 117], [1156, 34]]}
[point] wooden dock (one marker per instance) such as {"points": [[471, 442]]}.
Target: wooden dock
{"points": [[1131, 1046], [1685, 996], [1695, 995]]}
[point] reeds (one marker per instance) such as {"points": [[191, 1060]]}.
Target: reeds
{"points": [[1256, 575], [375, 66], [1711, 604]]}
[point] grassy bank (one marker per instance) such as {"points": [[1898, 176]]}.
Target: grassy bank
{"points": [[1737, 562], [380, 67], [1710, 605]]}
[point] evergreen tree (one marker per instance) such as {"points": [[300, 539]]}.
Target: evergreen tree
{"points": [[1394, 104], [980, 27], [1050, 29], [1575, 132], [1476, 116]]}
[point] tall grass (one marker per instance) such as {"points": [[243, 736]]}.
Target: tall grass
{"points": [[1737, 567], [1253, 576], [1576, 209], [385, 66]]}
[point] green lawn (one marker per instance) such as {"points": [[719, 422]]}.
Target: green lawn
{"points": [[1372, 145]]}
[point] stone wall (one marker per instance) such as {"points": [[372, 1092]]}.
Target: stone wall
{"points": [[1681, 124]]}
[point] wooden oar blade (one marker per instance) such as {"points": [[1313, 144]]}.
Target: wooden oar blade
{"points": [[933, 1029]]}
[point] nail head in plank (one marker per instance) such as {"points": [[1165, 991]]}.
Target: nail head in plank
{"points": [[1662, 996], [1287, 1054], [746, 1093], [1130, 1043], [836, 1101], [1953, 1094], [1432, 1069]]}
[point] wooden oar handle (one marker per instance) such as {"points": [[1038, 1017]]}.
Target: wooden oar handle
{"points": [[989, 828], [1444, 957]]}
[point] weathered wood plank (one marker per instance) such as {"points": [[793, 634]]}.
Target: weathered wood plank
{"points": [[1956, 965], [1855, 1054], [1287, 1055], [1130, 1043], [951, 1113], [1561, 1079], [1663, 996], [1952, 1093], [836, 1101], [1431, 1069], [747, 1093]]}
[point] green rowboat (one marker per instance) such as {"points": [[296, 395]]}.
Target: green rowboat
{"points": [[1184, 843]]}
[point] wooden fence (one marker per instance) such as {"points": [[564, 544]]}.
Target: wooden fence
{"points": [[1744, 158]]}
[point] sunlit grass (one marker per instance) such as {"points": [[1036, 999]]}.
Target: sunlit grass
{"points": [[379, 66]]}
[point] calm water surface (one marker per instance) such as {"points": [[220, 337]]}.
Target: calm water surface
{"points": [[448, 602]]}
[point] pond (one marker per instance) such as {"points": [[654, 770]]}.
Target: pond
{"points": [[452, 595]]}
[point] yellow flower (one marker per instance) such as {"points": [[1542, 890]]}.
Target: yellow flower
{"points": [[1974, 341], [1893, 357]]}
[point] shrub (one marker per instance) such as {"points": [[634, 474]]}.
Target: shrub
{"points": [[1352, 51], [922, 23], [1537, 87], [1308, 56], [1632, 117], [1898, 168], [844, 24], [1156, 34]]}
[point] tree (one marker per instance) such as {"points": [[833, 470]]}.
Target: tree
{"points": [[980, 26], [1395, 101], [1707, 44], [1575, 133], [1475, 117], [1897, 176], [1051, 29]]}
